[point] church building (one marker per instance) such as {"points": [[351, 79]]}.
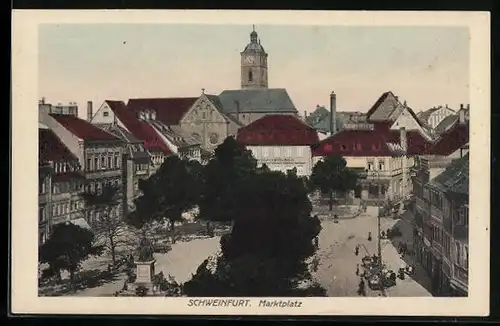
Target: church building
{"points": [[255, 99]]}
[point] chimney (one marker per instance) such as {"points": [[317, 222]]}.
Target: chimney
{"points": [[468, 106], [461, 106], [461, 116], [403, 139], [305, 114], [237, 110], [446, 106], [89, 111], [333, 113]]}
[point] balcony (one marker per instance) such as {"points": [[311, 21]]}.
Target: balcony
{"points": [[103, 174]]}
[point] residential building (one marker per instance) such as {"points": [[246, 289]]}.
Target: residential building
{"points": [[99, 154], [441, 233], [436, 204], [281, 142], [44, 200], [435, 115], [68, 109]]}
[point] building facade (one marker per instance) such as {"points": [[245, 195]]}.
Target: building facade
{"points": [[441, 221], [434, 116], [281, 142], [99, 155]]}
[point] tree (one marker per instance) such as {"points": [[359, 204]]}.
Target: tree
{"points": [[231, 165], [110, 230], [272, 237], [68, 246], [171, 191], [331, 175]]}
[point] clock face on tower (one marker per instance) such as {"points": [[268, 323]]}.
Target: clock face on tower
{"points": [[249, 59]]}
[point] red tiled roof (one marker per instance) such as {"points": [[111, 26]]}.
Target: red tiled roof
{"points": [[354, 143], [51, 148], [278, 130], [140, 129], [67, 176], [82, 129], [451, 140], [371, 142], [168, 110]]}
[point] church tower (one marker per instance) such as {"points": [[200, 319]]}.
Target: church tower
{"points": [[254, 64]]}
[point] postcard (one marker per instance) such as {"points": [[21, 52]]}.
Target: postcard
{"points": [[250, 163]]}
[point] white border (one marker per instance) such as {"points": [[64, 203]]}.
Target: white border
{"points": [[24, 168]]}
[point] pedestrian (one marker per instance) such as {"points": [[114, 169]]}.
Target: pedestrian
{"points": [[357, 269], [369, 236], [356, 250]]}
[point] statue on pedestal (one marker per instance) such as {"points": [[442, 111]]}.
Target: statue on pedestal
{"points": [[145, 250]]}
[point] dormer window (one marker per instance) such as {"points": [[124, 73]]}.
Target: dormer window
{"points": [[153, 115], [343, 147]]}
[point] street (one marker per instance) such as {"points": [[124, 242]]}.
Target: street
{"points": [[337, 261]]}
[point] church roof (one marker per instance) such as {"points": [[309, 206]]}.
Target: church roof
{"points": [[265, 100]]}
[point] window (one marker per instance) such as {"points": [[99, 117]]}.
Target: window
{"points": [[105, 113], [136, 186], [466, 257], [276, 152], [299, 151], [343, 147], [203, 115], [109, 163], [457, 252], [41, 213], [117, 165], [89, 162], [264, 152], [96, 164], [103, 162], [370, 165], [250, 76], [381, 165]]}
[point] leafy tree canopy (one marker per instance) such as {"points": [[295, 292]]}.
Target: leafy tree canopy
{"points": [[231, 165], [68, 246], [332, 174], [172, 190]]}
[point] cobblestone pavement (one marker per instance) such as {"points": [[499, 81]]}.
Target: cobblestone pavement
{"points": [[337, 261]]}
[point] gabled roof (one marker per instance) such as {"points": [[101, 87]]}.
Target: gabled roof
{"points": [[51, 148], [424, 116], [83, 129], [168, 110], [451, 140], [324, 124], [446, 123], [384, 107], [266, 100], [455, 178], [140, 129], [278, 130]]}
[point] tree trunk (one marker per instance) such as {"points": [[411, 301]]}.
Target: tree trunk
{"points": [[112, 247], [72, 280], [172, 229], [330, 200]]}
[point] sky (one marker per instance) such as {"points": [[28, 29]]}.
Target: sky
{"points": [[425, 66]]}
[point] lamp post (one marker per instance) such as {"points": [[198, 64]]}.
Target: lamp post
{"points": [[379, 245]]}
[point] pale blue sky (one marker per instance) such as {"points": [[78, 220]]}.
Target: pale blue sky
{"points": [[425, 66]]}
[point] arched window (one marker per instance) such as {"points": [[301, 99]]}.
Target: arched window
{"points": [[250, 76]]}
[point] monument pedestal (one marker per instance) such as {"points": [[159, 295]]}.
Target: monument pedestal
{"points": [[145, 272]]}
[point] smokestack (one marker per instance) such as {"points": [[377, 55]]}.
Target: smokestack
{"points": [[403, 139], [461, 116], [237, 110], [89, 111], [333, 113]]}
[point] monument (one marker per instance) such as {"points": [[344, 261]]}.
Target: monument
{"points": [[145, 265]]}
